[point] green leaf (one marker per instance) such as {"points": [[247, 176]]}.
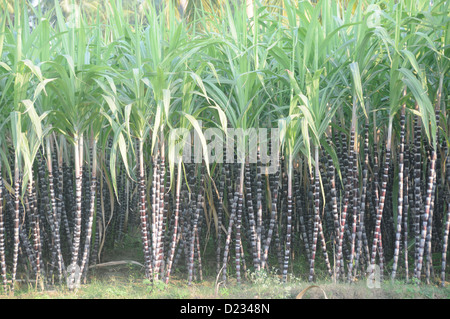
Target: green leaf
{"points": [[35, 119], [202, 138]]}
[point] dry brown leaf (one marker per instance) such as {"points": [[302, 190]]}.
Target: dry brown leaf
{"points": [[303, 292]]}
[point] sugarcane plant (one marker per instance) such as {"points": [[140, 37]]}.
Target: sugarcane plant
{"points": [[242, 138]]}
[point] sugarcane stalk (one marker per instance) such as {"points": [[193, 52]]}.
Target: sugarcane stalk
{"points": [[143, 211], [377, 234], [220, 212], [316, 215], [273, 216], [406, 200], [194, 231], [78, 203], [400, 189], [54, 212], [2, 235], [288, 240], [362, 237], [161, 218], [238, 224], [445, 246], [175, 225], [16, 213], [251, 215], [87, 244], [35, 228], [259, 211], [353, 180], [417, 189]]}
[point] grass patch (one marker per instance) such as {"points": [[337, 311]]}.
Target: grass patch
{"points": [[127, 283]]}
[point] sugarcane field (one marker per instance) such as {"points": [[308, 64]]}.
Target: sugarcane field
{"points": [[258, 149]]}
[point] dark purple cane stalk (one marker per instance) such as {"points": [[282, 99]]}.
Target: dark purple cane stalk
{"points": [[143, 210], [16, 214], [25, 243], [273, 216], [316, 215], [54, 212], [87, 244], [300, 211], [161, 216], [324, 249], [277, 243], [281, 218], [238, 225], [69, 202], [445, 242], [303, 225], [168, 206], [35, 226], [2, 235], [232, 200], [340, 256], [251, 215], [289, 218], [400, 189], [309, 211], [417, 188], [194, 231], [377, 234], [98, 215], [183, 227], [78, 203], [447, 224], [244, 264], [376, 176], [199, 273], [198, 232], [259, 210], [333, 194], [325, 203], [431, 194], [352, 172], [44, 207], [343, 159], [440, 192], [347, 180], [175, 224], [220, 212], [428, 242], [62, 212], [229, 201], [154, 215], [406, 201], [431, 229], [157, 218], [362, 237], [296, 247], [381, 254], [427, 212], [388, 229]]}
